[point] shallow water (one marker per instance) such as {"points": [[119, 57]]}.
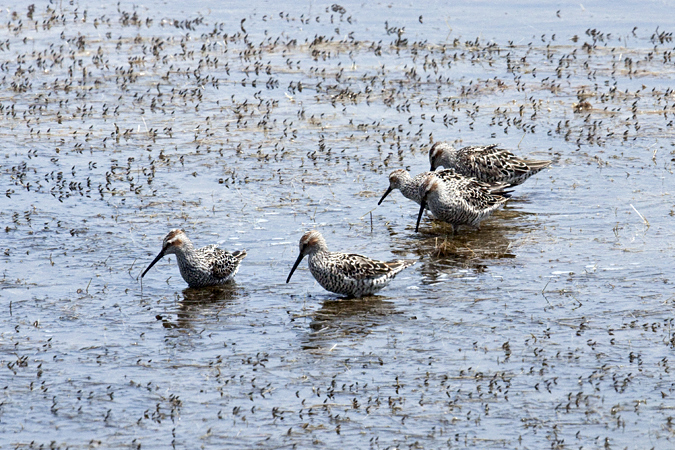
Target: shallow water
{"points": [[549, 327]]}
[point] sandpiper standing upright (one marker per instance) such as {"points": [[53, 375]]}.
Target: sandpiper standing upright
{"points": [[344, 273], [487, 163], [206, 266]]}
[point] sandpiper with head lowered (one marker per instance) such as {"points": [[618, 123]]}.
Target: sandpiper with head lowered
{"points": [[202, 267], [410, 186], [487, 163], [460, 200], [343, 273]]}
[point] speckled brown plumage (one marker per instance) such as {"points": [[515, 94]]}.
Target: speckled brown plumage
{"points": [[345, 273], [487, 163], [460, 200], [206, 266], [410, 186]]}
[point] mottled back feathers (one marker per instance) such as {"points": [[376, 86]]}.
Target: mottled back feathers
{"points": [[345, 273], [206, 266], [489, 163]]}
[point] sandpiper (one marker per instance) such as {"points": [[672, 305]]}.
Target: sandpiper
{"points": [[487, 163], [460, 200], [342, 273], [410, 186], [206, 266]]}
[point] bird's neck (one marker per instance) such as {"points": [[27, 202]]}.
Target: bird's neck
{"points": [[319, 253]]}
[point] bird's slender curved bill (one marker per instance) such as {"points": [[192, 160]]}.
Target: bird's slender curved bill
{"points": [[295, 266], [161, 254], [419, 216], [385, 195]]}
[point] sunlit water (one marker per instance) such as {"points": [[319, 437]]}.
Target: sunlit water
{"points": [[247, 125]]}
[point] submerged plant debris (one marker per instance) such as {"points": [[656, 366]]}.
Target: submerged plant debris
{"points": [[550, 327]]}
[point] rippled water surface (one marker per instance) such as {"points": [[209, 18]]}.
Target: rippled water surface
{"points": [[249, 124]]}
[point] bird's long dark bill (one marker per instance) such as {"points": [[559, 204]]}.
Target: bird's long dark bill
{"points": [[161, 254], [295, 266], [419, 216], [385, 195]]}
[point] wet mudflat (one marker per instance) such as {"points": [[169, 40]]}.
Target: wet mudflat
{"points": [[551, 327]]}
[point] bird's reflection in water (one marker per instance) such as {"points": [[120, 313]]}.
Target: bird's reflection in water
{"points": [[349, 319], [443, 252], [200, 306]]}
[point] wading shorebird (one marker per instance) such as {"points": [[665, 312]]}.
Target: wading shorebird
{"points": [[342, 273], [410, 186], [202, 267], [486, 163], [460, 200]]}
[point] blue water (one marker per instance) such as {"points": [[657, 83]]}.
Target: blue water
{"points": [[549, 327]]}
